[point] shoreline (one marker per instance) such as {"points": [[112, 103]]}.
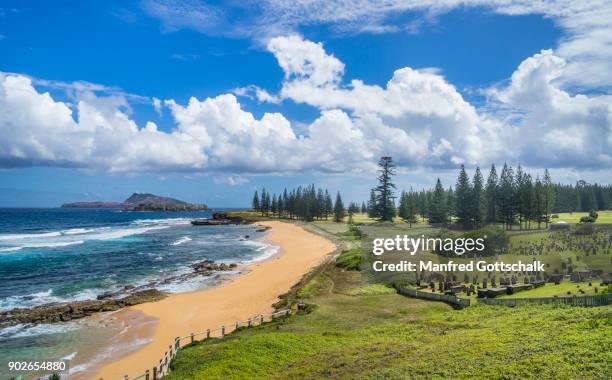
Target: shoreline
{"points": [[246, 295]]}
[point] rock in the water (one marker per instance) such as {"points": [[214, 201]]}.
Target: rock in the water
{"points": [[62, 312]]}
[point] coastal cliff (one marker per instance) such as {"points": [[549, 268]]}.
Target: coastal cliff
{"points": [[142, 202]]}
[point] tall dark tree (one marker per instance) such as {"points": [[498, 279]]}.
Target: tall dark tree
{"points": [[385, 206], [338, 209], [491, 197], [255, 203], [274, 205], [364, 209], [329, 206], [463, 199], [437, 207], [372, 211], [450, 204], [506, 196], [549, 196], [478, 199]]}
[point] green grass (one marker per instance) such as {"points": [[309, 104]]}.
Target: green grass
{"points": [[551, 290], [605, 217], [361, 330], [390, 336], [350, 259]]}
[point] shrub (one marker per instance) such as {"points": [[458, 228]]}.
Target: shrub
{"points": [[350, 259]]}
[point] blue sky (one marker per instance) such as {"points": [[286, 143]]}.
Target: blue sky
{"points": [[471, 85]]}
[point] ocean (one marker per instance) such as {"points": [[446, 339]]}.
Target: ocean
{"points": [[57, 255]]}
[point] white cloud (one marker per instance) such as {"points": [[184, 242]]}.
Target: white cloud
{"points": [[553, 127], [232, 180], [418, 118]]}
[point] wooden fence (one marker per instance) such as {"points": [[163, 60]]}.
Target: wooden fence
{"points": [[454, 301], [161, 368], [596, 300]]}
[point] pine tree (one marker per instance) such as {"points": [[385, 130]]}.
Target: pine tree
{"points": [[538, 207], [437, 207], [364, 209], [372, 211], [506, 196], [478, 199], [274, 205], [320, 204], [491, 197], [328, 205], [549, 196], [402, 211], [385, 207], [450, 203], [518, 186], [463, 199], [255, 203], [410, 213], [338, 209]]}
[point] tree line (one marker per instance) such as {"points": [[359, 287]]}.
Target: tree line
{"points": [[583, 197], [303, 203], [514, 197], [510, 198]]}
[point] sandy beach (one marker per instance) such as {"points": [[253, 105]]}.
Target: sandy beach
{"points": [[244, 297]]}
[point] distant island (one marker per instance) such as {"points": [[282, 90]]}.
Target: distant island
{"points": [[142, 202]]}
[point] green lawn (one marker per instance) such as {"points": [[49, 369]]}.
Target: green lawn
{"points": [[551, 290], [574, 217], [359, 329]]}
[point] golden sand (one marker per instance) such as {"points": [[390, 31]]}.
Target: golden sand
{"points": [[245, 296]]}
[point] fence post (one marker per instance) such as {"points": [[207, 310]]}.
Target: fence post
{"points": [[208, 334], [237, 326], [165, 358], [155, 373], [126, 377], [222, 331], [262, 319], [192, 337], [171, 351], [177, 343], [249, 323], [147, 375]]}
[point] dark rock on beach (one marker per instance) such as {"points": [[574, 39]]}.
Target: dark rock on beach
{"points": [[208, 266], [62, 312], [221, 219], [128, 296]]}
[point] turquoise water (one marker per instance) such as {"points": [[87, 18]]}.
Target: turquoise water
{"points": [[55, 255]]}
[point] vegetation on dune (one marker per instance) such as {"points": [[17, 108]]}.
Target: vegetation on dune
{"points": [[350, 259]]}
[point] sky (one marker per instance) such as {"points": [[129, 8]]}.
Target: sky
{"points": [[208, 100]]}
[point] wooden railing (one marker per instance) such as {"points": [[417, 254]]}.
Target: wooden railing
{"points": [[162, 368]]}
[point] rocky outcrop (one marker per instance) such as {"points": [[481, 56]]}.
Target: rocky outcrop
{"points": [[128, 296], [62, 312], [209, 266], [220, 219]]}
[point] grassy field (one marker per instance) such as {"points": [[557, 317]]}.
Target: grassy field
{"points": [[361, 329], [605, 217], [551, 290]]}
